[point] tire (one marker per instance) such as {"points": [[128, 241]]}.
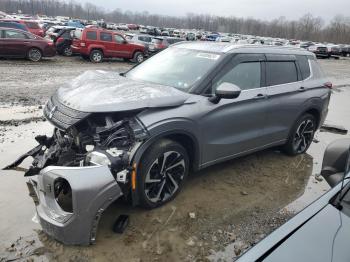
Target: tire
{"points": [[67, 51], [301, 135], [96, 56], [34, 54], [138, 57], [156, 185]]}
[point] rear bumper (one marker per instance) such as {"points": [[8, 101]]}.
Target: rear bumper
{"points": [[93, 190]]}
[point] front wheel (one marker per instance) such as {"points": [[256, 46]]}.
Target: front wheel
{"points": [[138, 57], [163, 170], [34, 55], [301, 135], [67, 51]]}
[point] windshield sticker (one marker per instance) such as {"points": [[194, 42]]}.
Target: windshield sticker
{"points": [[208, 56]]}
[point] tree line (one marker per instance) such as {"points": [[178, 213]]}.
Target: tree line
{"points": [[308, 27]]}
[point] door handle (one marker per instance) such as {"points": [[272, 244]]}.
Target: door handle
{"points": [[26, 42], [260, 96], [302, 89]]}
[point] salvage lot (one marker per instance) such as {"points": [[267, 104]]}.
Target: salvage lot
{"points": [[232, 204]]}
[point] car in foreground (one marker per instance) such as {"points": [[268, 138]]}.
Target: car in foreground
{"points": [[16, 43], [32, 26], [138, 134], [320, 232], [96, 44]]}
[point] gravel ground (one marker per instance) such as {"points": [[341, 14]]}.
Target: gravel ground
{"points": [[222, 210]]}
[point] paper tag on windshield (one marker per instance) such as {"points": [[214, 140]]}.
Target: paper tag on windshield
{"points": [[208, 56]]}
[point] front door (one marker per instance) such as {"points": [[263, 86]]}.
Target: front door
{"points": [[122, 49], [236, 126]]}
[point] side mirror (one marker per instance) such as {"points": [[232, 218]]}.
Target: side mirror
{"points": [[336, 161], [124, 42], [226, 91]]}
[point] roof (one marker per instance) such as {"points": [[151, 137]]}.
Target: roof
{"points": [[224, 47]]}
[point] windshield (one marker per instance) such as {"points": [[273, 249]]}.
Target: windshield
{"points": [[177, 67]]}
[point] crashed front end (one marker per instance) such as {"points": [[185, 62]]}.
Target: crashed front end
{"points": [[81, 169]]}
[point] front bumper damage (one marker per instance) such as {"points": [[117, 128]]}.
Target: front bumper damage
{"points": [[93, 189], [81, 169]]}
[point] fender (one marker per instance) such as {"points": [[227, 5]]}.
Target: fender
{"points": [[91, 47]]}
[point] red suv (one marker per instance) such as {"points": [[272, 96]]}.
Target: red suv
{"points": [[31, 26], [97, 43]]}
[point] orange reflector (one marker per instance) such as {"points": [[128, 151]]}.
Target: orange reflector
{"points": [[133, 177]]}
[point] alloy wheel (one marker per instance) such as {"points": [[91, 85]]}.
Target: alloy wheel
{"points": [[97, 57], [303, 136], [140, 58], [34, 54], [164, 176], [67, 51]]}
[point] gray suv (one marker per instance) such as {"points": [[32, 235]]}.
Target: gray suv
{"points": [[138, 134]]}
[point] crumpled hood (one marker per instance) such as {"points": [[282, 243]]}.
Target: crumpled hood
{"points": [[102, 91]]}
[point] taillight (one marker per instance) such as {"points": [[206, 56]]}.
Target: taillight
{"points": [[50, 43], [328, 85]]}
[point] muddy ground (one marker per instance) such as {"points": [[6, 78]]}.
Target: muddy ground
{"points": [[233, 205]]}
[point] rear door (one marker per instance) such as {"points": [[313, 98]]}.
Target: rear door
{"points": [[286, 94], [236, 126], [15, 42], [108, 43]]}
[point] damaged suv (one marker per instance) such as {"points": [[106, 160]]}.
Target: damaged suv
{"points": [[138, 134]]}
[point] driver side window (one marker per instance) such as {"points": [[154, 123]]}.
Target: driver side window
{"points": [[119, 39], [245, 75]]}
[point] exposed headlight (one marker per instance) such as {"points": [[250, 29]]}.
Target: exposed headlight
{"points": [[98, 158]]}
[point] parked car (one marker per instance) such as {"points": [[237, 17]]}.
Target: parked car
{"points": [[160, 43], [31, 26], [165, 33], [321, 231], [21, 44], [63, 41], [190, 36], [150, 30], [96, 44], [139, 133], [122, 27], [13, 25], [133, 27], [334, 51], [319, 50], [305, 45], [142, 39], [345, 50]]}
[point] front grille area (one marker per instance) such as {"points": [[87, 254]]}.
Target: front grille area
{"points": [[62, 116]]}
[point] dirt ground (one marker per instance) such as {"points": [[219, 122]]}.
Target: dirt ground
{"points": [[232, 205]]}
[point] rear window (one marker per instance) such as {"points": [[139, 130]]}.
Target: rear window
{"points": [[281, 72], [303, 62], [157, 41], [32, 25], [91, 35], [106, 37]]}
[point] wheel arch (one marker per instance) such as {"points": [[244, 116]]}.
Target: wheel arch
{"points": [[183, 137]]}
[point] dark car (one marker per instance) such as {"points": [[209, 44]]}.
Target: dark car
{"points": [[13, 25], [160, 43], [21, 44], [345, 50], [96, 44], [319, 50], [153, 31], [140, 133], [320, 232], [63, 40]]}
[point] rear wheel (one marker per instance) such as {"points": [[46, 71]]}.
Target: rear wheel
{"points": [[34, 54], [301, 135], [96, 56], [67, 51], [138, 57], [163, 170]]}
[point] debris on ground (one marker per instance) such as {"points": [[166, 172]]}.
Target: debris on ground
{"points": [[334, 129]]}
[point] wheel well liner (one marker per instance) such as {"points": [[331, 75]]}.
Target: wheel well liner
{"points": [[314, 112]]}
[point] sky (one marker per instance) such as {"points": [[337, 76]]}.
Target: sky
{"points": [[260, 9]]}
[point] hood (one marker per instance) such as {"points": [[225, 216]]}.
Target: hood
{"points": [[101, 91]]}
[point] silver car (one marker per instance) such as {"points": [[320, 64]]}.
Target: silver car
{"points": [[138, 134]]}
